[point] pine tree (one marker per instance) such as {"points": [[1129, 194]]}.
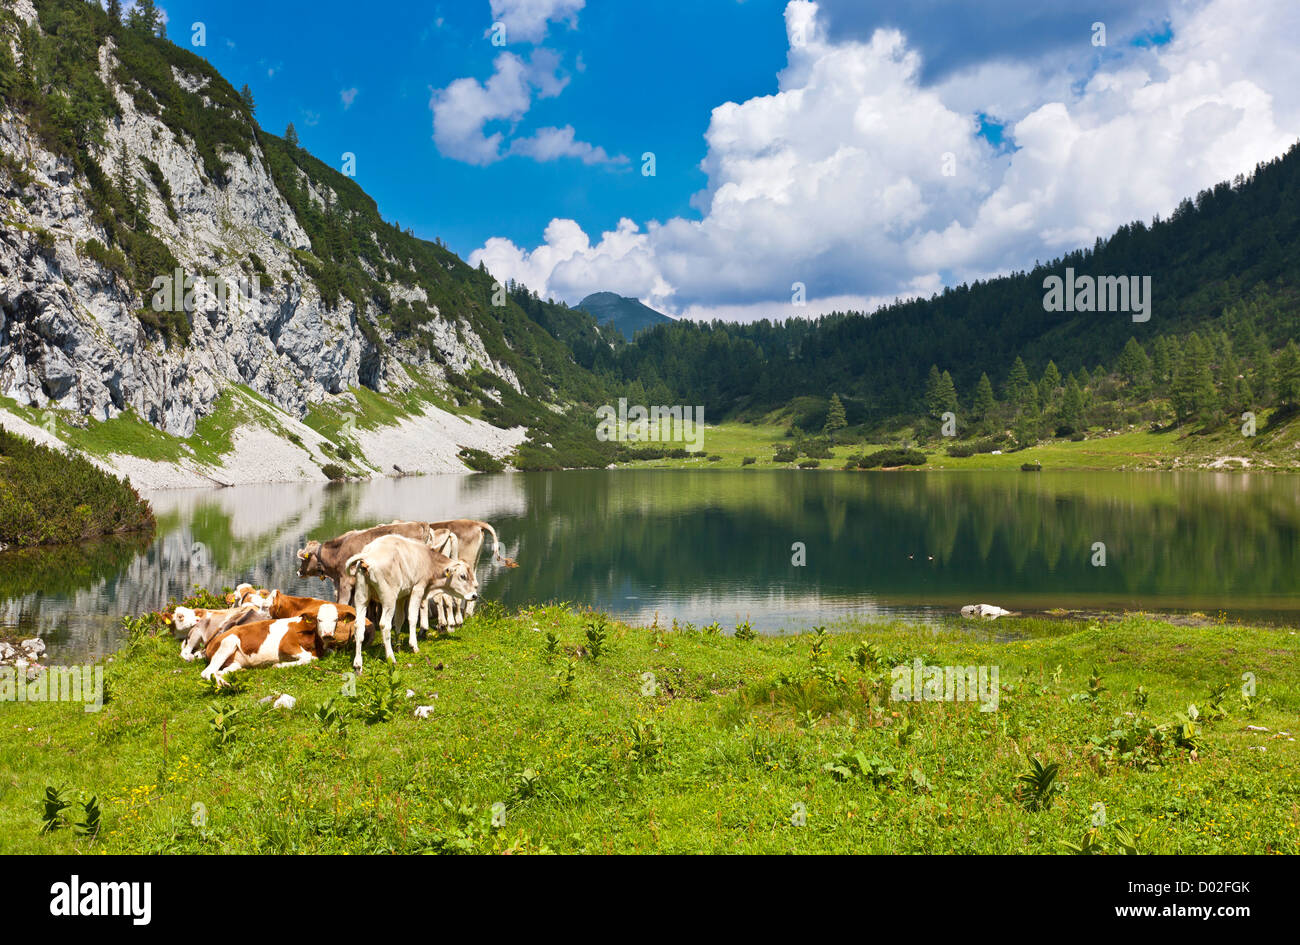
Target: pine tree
{"points": [[947, 394], [1192, 390], [985, 403], [1134, 366], [835, 418], [291, 139], [115, 12], [144, 17], [933, 403], [1072, 407], [247, 95], [1017, 382], [1286, 369]]}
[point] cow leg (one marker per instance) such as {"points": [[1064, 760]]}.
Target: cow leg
{"points": [[363, 590], [346, 583], [413, 610], [224, 652], [469, 608], [302, 659], [235, 666], [386, 626]]}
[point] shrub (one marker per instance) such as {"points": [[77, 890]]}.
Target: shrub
{"points": [[749, 461], [334, 471], [1031, 467], [479, 460], [49, 497], [715, 459], [893, 457], [810, 463], [785, 455]]}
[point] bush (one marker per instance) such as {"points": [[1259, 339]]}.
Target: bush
{"points": [[48, 497], [749, 461], [810, 463], [480, 461], [1031, 467], [334, 471], [785, 455], [715, 459], [817, 449], [1078, 436], [895, 457]]}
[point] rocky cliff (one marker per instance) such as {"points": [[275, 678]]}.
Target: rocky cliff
{"points": [[99, 210]]}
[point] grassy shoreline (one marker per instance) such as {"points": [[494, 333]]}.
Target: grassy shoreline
{"points": [[786, 744], [733, 442]]}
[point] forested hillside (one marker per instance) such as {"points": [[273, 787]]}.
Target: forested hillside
{"points": [[1224, 268]]}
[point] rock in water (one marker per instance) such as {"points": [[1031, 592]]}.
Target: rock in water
{"points": [[986, 611]]}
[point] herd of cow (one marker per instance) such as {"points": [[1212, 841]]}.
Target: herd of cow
{"points": [[401, 570]]}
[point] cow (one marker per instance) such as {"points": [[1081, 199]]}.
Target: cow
{"points": [[986, 611], [200, 625], [326, 559], [392, 566], [247, 594], [469, 542], [290, 641], [343, 617]]}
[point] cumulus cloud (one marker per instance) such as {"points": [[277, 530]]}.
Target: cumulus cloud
{"points": [[863, 182], [463, 110], [528, 20]]}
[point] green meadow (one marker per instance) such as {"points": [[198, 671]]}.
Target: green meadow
{"points": [[556, 730]]}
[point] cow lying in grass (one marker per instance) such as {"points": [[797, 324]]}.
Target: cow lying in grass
{"points": [[200, 625], [392, 566], [247, 594], [291, 641], [305, 628]]}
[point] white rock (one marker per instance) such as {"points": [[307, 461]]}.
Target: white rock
{"points": [[33, 646], [286, 701], [423, 711], [985, 611]]}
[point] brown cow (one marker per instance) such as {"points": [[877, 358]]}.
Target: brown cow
{"points": [[293, 641], [325, 560], [337, 621]]}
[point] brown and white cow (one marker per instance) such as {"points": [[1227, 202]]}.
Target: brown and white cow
{"points": [[326, 560], [392, 566], [200, 625], [292, 641], [340, 617]]}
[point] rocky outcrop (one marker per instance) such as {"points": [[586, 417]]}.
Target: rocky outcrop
{"points": [[70, 336]]}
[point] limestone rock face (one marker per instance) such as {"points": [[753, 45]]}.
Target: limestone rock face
{"points": [[70, 334]]}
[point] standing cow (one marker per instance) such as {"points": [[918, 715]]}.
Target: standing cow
{"points": [[392, 566]]}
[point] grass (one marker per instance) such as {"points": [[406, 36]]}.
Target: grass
{"points": [[680, 740], [1134, 449]]}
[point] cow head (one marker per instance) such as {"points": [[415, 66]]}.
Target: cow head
{"points": [[460, 581], [240, 592], [309, 560], [185, 620]]}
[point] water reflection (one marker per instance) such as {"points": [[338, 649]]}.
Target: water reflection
{"points": [[711, 544]]}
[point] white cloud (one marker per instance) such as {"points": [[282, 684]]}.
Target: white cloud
{"points": [[462, 111], [548, 144], [836, 180], [347, 97], [528, 20]]}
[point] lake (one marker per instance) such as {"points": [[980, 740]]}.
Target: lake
{"points": [[719, 545]]}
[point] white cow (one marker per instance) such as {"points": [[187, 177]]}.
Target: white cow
{"points": [[391, 567]]}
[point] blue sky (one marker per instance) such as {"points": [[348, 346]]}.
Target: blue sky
{"points": [[863, 150]]}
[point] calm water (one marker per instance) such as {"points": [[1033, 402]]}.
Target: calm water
{"points": [[716, 545]]}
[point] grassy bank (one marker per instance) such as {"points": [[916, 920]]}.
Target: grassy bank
{"points": [[50, 498], [728, 745], [1272, 448]]}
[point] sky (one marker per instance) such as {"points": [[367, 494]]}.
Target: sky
{"points": [[807, 156]]}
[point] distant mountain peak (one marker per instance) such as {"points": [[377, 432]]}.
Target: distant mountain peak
{"points": [[626, 314]]}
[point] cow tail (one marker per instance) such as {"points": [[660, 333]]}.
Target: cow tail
{"points": [[355, 563], [497, 556]]}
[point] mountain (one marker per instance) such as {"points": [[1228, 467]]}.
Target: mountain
{"points": [[626, 314], [137, 191], [1226, 261]]}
